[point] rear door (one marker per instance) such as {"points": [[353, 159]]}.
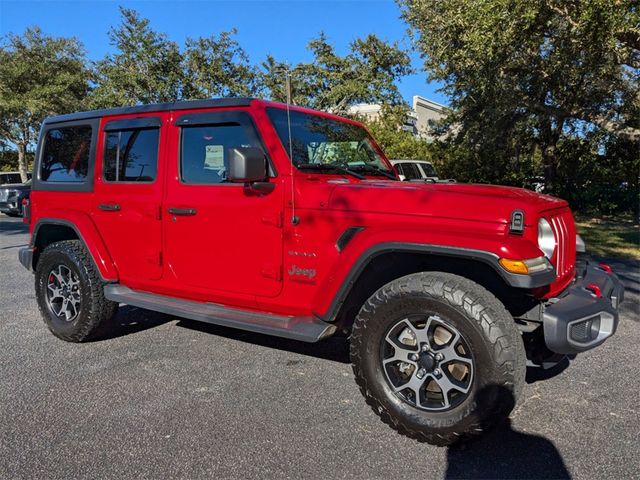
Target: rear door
{"points": [[220, 236], [128, 193]]}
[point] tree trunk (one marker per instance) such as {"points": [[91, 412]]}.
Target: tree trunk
{"points": [[550, 131], [550, 164], [22, 161]]}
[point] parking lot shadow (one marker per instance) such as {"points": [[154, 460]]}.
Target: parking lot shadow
{"points": [[537, 374], [335, 349], [130, 320], [504, 453], [12, 226]]}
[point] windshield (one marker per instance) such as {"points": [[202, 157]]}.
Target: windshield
{"points": [[319, 140]]}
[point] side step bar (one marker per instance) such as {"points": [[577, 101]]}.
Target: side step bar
{"points": [[306, 329]]}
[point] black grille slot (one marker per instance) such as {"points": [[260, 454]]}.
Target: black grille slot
{"points": [[585, 331], [580, 331]]}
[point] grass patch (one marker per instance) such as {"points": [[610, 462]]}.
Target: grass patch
{"points": [[614, 236]]}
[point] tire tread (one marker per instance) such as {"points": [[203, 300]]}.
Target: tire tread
{"points": [[478, 304], [100, 311]]}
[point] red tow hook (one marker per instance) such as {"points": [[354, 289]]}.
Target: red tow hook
{"points": [[606, 268], [595, 289], [26, 211]]}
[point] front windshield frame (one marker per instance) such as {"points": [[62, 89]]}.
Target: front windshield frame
{"points": [[342, 143]]}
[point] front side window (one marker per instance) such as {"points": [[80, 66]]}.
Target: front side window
{"points": [[324, 141], [131, 155], [65, 157], [205, 150]]}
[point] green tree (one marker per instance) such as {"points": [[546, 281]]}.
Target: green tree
{"points": [[601, 173], [40, 75], [367, 73], [146, 67], [522, 72], [218, 66]]}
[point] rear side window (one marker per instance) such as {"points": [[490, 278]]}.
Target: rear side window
{"points": [[131, 155], [205, 149], [428, 169], [66, 154]]}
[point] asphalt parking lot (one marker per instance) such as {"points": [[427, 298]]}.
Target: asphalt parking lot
{"points": [[170, 398]]}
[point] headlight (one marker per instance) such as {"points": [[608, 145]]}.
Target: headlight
{"points": [[546, 238]]}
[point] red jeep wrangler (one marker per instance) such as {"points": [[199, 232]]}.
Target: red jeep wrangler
{"points": [[291, 222]]}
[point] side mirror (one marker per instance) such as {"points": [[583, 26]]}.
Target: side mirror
{"points": [[246, 165]]}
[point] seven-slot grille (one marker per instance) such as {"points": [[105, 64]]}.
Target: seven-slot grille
{"points": [[564, 229]]}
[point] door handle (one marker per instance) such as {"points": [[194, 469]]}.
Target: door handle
{"points": [[182, 211], [109, 207]]}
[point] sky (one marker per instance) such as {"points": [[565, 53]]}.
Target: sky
{"points": [[281, 28]]}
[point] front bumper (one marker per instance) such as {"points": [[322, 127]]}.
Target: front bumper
{"points": [[10, 207], [586, 314]]}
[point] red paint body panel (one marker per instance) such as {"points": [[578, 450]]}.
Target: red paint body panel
{"points": [[233, 245], [132, 233], [74, 208], [242, 250]]}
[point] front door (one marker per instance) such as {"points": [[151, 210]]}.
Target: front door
{"points": [[220, 236], [128, 194]]}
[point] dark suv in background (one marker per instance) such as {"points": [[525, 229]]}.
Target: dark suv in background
{"points": [[12, 192]]}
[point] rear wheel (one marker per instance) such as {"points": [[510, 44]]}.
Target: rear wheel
{"points": [[438, 357], [70, 294]]}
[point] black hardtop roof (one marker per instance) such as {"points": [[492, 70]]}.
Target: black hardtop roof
{"points": [[154, 107]]}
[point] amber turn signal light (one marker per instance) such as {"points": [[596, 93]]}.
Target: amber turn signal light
{"points": [[526, 267], [514, 266]]}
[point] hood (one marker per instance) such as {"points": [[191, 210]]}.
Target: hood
{"points": [[490, 203]]}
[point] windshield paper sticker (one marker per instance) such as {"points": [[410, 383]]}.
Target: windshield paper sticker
{"points": [[214, 157]]}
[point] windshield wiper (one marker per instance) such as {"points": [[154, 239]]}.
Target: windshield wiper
{"points": [[330, 166], [374, 168]]}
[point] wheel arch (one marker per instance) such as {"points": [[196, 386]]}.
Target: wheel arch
{"points": [[49, 230], [384, 263]]}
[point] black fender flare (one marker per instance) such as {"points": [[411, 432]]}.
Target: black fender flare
{"points": [[511, 279], [99, 254]]}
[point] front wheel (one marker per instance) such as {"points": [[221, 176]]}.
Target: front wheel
{"points": [[438, 357]]}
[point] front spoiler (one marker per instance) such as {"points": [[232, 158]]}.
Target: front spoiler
{"points": [[586, 314]]}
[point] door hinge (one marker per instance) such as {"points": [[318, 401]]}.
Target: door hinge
{"points": [[274, 273], [159, 213], [160, 258], [276, 220]]}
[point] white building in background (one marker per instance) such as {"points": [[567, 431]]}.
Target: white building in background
{"points": [[427, 112], [419, 119]]}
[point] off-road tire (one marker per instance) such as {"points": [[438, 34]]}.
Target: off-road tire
{"points": [[495, 343], [95, 310]]}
